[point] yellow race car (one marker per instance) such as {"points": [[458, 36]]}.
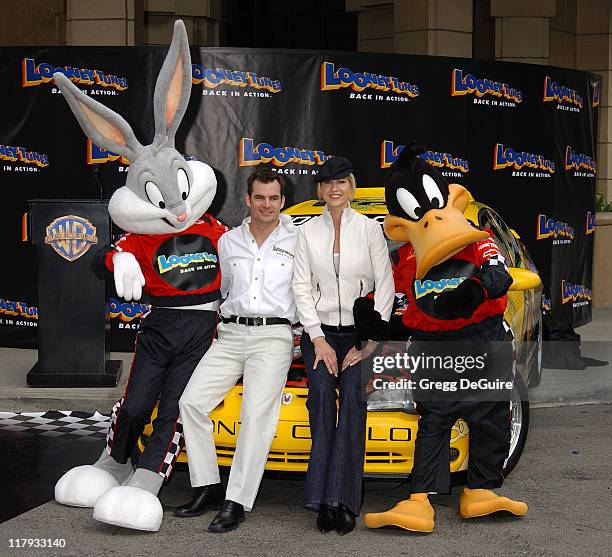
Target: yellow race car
{"points": [[392, 420]]}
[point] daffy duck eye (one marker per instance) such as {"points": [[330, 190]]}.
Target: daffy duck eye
{"points": [[433, 192], [409, 204]]}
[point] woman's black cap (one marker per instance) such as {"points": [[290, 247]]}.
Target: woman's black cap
{"points": [[334, 168]]}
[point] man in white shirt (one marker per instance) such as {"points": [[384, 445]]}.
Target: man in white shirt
{"points": [[255, 342]]}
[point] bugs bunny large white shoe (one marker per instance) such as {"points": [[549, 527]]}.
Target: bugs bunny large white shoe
{"points": [[163, 194], [83, 485]]}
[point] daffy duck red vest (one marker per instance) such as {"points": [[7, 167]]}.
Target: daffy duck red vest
{"points": [[469, 262]]}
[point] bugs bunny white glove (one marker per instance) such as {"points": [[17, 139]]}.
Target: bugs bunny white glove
{"points": [[129, 279]]}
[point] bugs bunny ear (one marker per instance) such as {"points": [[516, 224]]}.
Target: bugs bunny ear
{"points": [[173, 87], [101, 124]]}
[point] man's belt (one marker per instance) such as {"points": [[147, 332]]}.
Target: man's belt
{"points": [[338, 328], [256, 321]]}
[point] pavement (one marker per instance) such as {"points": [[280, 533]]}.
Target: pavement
{"points": [[558, 387], [592, 385], [564, 475], [16, 396]]}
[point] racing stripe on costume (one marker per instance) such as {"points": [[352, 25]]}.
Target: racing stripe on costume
{"points": [[508, 330], [490, 254], [110, 434], [173, 450], [510, 335], [493, 274]]}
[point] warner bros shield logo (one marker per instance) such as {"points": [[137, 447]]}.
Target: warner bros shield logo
{"points": [[71, 236]]}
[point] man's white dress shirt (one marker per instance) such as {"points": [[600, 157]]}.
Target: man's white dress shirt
{"points": [[256, 281]]}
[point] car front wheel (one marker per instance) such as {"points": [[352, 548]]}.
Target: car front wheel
{"points": [[519, 423]]}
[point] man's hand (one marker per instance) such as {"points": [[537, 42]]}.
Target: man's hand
{"points": [[460, 302], [326, 354], [129, 279]]}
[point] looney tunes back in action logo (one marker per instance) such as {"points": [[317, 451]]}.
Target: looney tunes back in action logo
{"points": [[582, 165], [34, 74], [27, 160], [366, 85], [565, 97], [579, 294], [213, 80], [497, 93], [251, 153], [449, 165], [522, 163]]}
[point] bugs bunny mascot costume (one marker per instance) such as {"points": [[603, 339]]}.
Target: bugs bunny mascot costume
{"points": [[170, 250]]}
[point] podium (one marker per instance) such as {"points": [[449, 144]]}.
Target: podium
{"points": [[73, 319]]}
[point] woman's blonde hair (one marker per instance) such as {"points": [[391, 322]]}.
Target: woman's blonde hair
{"points": [[352, 181]]}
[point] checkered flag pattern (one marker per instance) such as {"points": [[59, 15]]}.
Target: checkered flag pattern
{"points": [[174, 449], [498, 259], [113, 423], [67, 424], [490, 254]]}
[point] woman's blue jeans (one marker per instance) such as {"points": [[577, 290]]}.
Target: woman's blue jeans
{"points": [[335, 469]]}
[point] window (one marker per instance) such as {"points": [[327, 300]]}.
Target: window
{"points": [[505, 240]]}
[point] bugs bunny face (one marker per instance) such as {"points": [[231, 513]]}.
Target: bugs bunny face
{"points": [[163, 193], [165, 197]]}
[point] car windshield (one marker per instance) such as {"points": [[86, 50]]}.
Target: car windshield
{"points": [[505, 240]]}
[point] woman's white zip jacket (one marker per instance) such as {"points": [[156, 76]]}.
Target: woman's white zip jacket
{"points": [[320, 296]]}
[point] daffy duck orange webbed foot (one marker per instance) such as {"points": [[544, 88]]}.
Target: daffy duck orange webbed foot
{"points": [[482, 502], [415, 514]]}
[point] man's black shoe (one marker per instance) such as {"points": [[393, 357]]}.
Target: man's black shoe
{"points": [[326, 519], [345, 520], [205, 497], [229, 518]]}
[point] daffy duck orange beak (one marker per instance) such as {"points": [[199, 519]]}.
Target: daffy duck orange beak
{"points": [[438, 234]]}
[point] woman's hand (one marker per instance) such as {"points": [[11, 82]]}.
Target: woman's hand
{"points": [[326, 354], [368, 349], [355, 356]]}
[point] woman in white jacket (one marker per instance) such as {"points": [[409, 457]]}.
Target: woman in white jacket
{"points": [[340, 256]]}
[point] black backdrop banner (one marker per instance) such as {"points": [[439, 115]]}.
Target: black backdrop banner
{"points": [[520, 137]]}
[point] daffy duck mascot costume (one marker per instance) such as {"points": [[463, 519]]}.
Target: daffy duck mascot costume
{"points": [[456, 282]]}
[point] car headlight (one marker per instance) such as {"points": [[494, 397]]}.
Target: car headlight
{"points": [[391, 400]]}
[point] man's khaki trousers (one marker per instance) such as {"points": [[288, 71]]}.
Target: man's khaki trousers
{"points": [[262, 356]]}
